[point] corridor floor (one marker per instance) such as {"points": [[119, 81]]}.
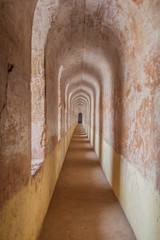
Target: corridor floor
{"points": [[83, 206]]}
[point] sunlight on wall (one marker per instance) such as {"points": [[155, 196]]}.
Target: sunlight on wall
{"points": [[59, 103]]}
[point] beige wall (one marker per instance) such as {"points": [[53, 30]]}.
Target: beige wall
{"points": [[23, 214], [138, 197], [110, 52]]}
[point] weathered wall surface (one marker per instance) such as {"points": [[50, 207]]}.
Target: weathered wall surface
{"points": [[24, 199], [15, 98], [128, 145], [100, 58], [23, 214], [137, 195]]}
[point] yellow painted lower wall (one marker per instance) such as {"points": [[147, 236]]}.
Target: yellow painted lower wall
{"points": [[23, 215], [138, 198]]}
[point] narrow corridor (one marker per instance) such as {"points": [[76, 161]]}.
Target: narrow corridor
{"points": [[83, 205], [65, 63]]}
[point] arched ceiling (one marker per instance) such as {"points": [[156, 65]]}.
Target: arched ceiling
{"points": [[81, 97], [90, 39]]}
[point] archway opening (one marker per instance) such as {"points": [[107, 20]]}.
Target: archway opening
{"points": [[80, 118]]}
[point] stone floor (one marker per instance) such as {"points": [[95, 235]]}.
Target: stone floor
{"points": [[83, 206]]}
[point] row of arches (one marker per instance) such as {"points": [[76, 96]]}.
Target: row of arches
{"points": [[80, 93], [99, 85], [98, 80]]}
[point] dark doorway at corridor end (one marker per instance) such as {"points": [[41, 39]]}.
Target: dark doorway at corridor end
{"points": [[80, 118]]}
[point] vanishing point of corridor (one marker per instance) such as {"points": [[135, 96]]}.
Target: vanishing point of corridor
{"points": [[83, 206]]}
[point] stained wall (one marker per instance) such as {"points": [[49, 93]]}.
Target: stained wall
{"points": [[108, 52]]}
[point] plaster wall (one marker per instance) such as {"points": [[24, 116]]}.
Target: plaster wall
{"points": [[15, 96], [109, 48], [23, 215], [137, 196]]}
